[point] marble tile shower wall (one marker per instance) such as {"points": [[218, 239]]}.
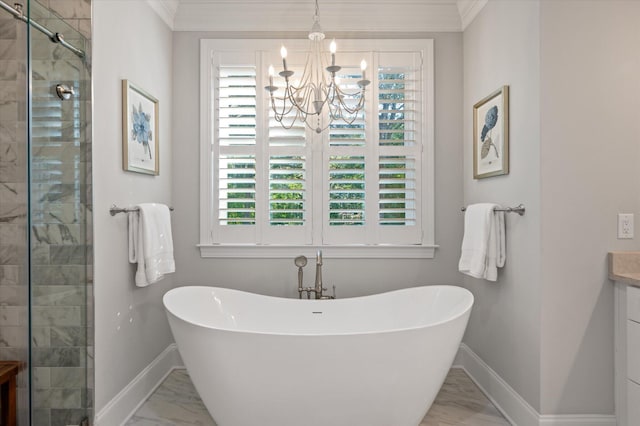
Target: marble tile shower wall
{"points": [[62, 310], [76, 13], [61, 249], [14, 296]]}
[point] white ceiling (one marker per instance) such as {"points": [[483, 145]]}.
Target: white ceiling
{"points": [[361, 16]]}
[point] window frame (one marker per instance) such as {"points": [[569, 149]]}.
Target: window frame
{"points": [[209, 248]]}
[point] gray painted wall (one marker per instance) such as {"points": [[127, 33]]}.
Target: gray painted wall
{"points": [[589, 172], [501, 47], [547, 325], [352, 277], [130, 42]]}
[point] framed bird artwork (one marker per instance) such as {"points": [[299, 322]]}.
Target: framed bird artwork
{"points": [[491, 135]]}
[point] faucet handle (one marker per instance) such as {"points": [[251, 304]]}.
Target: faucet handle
{"points": [[334, 292]]}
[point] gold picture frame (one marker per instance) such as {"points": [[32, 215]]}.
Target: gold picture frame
{"points": [[491, 135], [140, 136]]}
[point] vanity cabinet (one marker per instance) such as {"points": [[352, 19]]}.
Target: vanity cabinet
{"points": [[624, 271], [627, 339]]}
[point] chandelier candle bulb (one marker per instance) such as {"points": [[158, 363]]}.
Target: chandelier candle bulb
{"points": [[283, 53], [363, 67], [332, 49], [271, 73]]}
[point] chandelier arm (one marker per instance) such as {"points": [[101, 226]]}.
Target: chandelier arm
{"points": [[284, 112], [334, 112], [280, 119], [303, 105], [279, 116], [294, 103], [358, 107], [351, 115]]}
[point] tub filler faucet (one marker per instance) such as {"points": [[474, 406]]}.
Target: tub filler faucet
{"points": [[317, 289]]}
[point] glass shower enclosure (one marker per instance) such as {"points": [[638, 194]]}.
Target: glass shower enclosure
{"points": [[46, 261]]}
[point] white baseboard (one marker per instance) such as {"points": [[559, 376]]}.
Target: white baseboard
{"points": [[578, 420], [514, 408], [128, 400]]}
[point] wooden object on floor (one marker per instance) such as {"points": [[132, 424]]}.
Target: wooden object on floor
{"points": [[8, 372]]}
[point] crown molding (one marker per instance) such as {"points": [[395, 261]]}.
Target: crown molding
{"points": [[468, 10], [166, 9], [371, 16], [338, 16]]}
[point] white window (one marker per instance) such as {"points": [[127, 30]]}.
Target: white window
{"points": [[363, 189]]}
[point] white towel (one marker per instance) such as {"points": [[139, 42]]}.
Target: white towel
{"points": [[151, 243], [483, 244]]}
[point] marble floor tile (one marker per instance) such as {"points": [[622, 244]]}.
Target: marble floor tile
{"points": [[176, 403], [461, 402]]}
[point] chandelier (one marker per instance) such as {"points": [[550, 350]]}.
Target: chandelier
{"points": [[318, 89]]}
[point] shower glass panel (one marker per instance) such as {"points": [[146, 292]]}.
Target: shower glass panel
{"points": [[46, 298], [60, 206]]}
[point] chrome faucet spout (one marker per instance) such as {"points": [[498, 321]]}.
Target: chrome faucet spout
{"points": [[317, 289]]}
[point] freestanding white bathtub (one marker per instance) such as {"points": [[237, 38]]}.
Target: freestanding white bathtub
{"points": [[367, 361]]}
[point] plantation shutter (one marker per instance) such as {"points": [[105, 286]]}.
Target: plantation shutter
{"points": [[288, 154], [357, 183], [399, 140], [346, 170], [235, 160]]}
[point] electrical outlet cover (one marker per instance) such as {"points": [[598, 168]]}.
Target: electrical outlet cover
{"points": [[625, 225]]}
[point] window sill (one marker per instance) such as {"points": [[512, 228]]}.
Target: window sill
{"points": [[227, 251]]}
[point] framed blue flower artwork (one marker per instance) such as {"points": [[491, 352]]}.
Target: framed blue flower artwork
{"points": [[140, 139], [491, 135]]}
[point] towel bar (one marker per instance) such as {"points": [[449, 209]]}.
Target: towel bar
{"points": [[114, 210], [517, 209]]}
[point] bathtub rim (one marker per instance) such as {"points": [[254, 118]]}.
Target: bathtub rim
{"points": [[464, 311]]}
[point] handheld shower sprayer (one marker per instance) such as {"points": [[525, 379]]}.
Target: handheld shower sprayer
{"points": [[300, 262]]}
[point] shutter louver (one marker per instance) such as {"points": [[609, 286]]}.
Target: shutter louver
{"points": [[346, 153], [237, 190], [346, 190], [236, 105], [399, 147], [287, 190], [342, 133], [397, 191], [237, 141], [396, 106], [288, 152]]}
